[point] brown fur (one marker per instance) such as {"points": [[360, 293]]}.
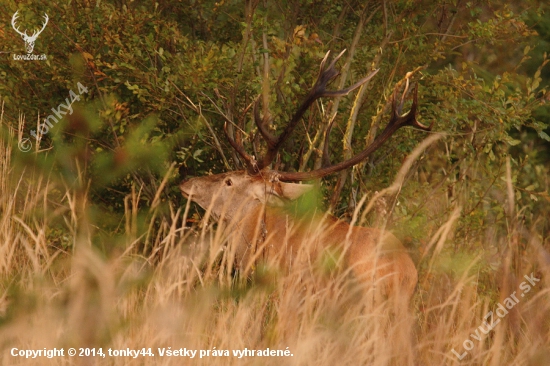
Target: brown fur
{"points": [[254, 209]]}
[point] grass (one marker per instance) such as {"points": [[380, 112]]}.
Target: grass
{"points": [[67, 283]]}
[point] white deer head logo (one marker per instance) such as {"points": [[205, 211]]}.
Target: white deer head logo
{"points": [[29, 40]]}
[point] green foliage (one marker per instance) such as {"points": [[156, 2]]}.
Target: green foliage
{"points": [[162, 80]]}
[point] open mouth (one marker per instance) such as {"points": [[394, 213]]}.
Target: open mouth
{"points": [[183, 190]]}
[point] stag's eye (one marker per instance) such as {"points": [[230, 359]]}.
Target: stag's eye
{"points": [[228, 182]]}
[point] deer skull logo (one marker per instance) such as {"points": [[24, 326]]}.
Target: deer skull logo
{"points": [[29, 40]]}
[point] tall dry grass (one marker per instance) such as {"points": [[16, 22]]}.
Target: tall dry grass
{"points": [[183, 293]]}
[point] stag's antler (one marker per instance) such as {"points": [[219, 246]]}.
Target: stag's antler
{"points": [[396, 122], [319, 90]]}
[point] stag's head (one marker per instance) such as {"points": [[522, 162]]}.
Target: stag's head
{"points": [[236, 192], [229, 193], [29, 40]]}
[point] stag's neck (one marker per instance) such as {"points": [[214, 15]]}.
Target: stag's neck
{"points": [[280, 224]]}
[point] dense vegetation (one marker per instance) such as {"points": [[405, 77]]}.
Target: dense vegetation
{"points": [[95, 234]]}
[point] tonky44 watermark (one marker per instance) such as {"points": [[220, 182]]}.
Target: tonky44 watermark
{"points": [[501, 311], [58, 114]]}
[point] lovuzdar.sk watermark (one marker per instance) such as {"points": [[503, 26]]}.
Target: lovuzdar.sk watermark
{"points": [[29, 40], [501, 311]]}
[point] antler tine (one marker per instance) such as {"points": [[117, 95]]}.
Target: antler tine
{"points": [[325, 76], [396, 121], [344, 92], [333, 72], [408, 119], [322, 64], [251, 163], [336, 58]]}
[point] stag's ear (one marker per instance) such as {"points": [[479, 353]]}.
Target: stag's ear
{"points": [[293, 191], [279, 193]]}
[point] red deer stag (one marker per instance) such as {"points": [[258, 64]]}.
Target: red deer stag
{"points": [[252, 203]]}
